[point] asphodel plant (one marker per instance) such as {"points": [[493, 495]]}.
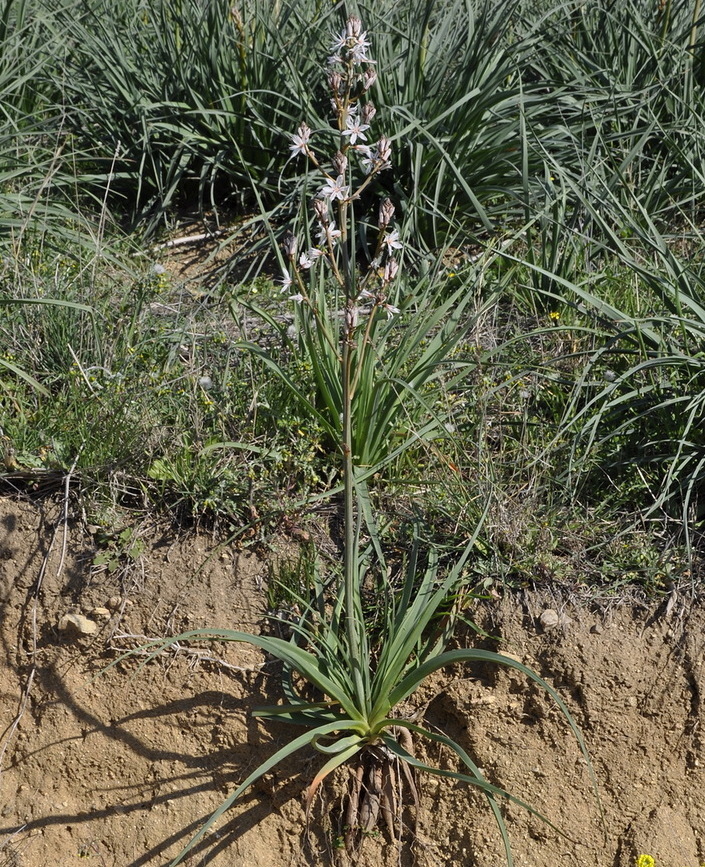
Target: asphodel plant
{"points": [[347, 672]]}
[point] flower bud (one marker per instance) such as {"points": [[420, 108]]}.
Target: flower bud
{"points": [[391, 266], [335, 82], [353, 27], [289, 245], [384, 149], [368, 112], [237, 18], [368, 79], [386, 212], [352, 314], [340, 163], [320, 207]]}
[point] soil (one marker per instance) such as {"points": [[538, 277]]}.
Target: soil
{"points": [[119, 767]]}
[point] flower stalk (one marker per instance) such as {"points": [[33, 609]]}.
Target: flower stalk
{"points": [[350, 79]]}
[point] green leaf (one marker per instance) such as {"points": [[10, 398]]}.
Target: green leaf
{"points": [[303, 740]]}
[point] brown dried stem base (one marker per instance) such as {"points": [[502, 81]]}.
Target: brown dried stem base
{"points": [[377, 787]]}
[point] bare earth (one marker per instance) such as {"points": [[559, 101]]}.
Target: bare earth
{"points": [[121, 769]]}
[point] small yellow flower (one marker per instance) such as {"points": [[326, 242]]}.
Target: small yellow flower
{"points": [[555, 316], [645, 861]]}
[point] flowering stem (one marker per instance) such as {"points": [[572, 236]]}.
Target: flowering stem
{"points": [[349, 80], [362, 348], [351, 577]]}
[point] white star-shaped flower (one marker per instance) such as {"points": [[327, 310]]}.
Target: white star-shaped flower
{"points": [[392, 242], [368, 162], [355, 129], [328, 234], [286, 282], [300, 140], [358, 50], [335, 188], [307, 259]]}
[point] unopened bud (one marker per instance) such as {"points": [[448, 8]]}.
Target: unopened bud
{"points": [[289, 245], [368, 79], [386, 212], [352, 314], [320, 207], [384, 149], [335, 82], [391, 266], [368, 112], [353, 27], [340, 163], [237, 18]]}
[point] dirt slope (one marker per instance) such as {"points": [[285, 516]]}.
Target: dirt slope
{"points": [[118, 771]]}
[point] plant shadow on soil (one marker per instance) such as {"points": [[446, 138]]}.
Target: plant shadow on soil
{"points": [[123, 768]]}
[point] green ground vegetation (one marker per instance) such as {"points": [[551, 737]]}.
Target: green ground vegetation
{"points": [[548, 174]]}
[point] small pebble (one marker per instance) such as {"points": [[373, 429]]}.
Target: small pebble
{"points": [[77, 624], [549, 619]]}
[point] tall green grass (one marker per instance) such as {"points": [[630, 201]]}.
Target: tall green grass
{"points": [[188, 99], [627, 81], [565, 140], [185, 105]]}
